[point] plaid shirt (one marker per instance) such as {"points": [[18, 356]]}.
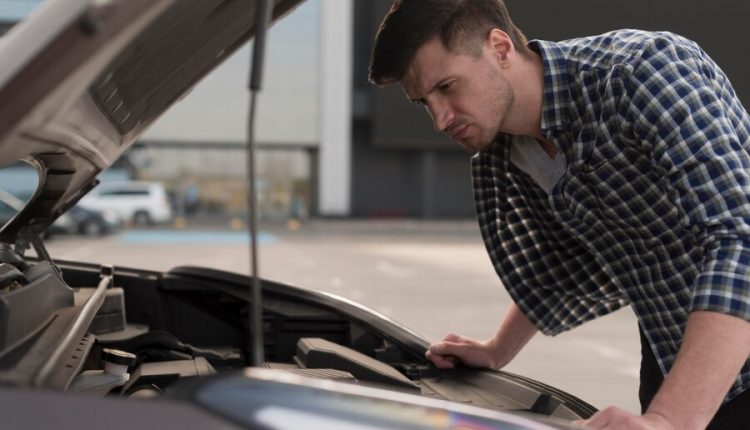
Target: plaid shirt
{"points": [[653, 209]]}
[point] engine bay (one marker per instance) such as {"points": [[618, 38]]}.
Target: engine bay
{"points": [[116, 332]]}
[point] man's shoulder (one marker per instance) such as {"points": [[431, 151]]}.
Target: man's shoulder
{"points": [[626, 47]]}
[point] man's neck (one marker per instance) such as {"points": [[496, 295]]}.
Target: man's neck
{"points": [[527, 82], [549, 147]]}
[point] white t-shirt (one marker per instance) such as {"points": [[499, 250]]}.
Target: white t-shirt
{"points": [[529, 156]]}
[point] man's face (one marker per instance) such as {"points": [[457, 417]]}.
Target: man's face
{"points": [[467, 96]]}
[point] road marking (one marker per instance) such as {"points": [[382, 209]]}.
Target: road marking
{"points": [[392, 270], [193, 237]]}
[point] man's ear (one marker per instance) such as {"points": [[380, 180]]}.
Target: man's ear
{"points": [[500, 45]]}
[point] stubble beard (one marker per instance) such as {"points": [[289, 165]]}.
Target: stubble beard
{"points": [[500, 100]]}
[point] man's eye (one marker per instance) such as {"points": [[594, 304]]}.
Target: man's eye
{"points": [[445, 86]]}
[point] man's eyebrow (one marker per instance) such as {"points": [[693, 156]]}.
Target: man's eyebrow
{"points": [[434, 87]]}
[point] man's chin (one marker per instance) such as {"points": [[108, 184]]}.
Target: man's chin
{"points": [[469, 150], [473, 147]]}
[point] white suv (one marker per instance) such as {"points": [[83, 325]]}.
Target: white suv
{"points": [[136, 202]]}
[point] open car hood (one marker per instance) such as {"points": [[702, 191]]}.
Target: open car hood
{"points": [[80, 80]]}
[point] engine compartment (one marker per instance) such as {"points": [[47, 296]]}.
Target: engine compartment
{"points": [[117, 332]]}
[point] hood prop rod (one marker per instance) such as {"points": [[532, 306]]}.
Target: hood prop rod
{"points": [[262, 19]]}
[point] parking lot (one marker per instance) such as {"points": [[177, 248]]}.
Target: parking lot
{"points": [[433, 277]]}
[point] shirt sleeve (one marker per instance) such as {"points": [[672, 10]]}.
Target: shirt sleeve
{"points": [[683, 105]]}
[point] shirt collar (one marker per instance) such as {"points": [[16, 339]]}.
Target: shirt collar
{"points": [[556, 97]]}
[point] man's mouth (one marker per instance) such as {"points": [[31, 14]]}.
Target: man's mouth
{"points": [[459, 132]]}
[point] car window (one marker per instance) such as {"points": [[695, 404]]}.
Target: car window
{"points": [[18, 182], [6, 211], [124, 193]]}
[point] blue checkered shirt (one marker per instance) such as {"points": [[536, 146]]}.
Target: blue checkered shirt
{"points": [[653, 209]]}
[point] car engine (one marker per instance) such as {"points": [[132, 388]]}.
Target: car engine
{"points": [[140, 334]]}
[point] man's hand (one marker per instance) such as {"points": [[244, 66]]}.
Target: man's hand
{"points": [[613, 418], [471, 352], [513, 333]]}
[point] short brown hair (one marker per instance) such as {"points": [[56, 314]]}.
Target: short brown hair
{"points": [[412, 23]]}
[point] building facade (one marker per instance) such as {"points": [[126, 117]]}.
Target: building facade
{"points": [[335, 146]]}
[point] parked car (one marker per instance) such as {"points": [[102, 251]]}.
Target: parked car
{"points": [[77, 220], [88, 222], [79, 82], [141, 203]]}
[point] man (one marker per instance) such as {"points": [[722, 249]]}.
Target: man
{"points": [[609, 170]]}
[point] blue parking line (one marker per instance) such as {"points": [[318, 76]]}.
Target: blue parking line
{"points": [[195, 237]]}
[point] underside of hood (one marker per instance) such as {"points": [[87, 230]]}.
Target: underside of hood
{"points": [[81, 80]]}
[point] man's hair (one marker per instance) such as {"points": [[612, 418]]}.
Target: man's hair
{"points": [[462, 26]]}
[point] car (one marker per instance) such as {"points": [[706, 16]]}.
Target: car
{"points": [[80, 343], [88, 222], [77, 220], [139, 202]]}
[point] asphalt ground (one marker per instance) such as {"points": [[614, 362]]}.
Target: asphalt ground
{"points": [[434, 277]]}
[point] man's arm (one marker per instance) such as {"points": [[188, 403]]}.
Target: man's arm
{"points": [[714, 348], [684, 109], [511, 336]]}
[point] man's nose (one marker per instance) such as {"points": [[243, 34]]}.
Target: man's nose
{"points": [[442, 117]]}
